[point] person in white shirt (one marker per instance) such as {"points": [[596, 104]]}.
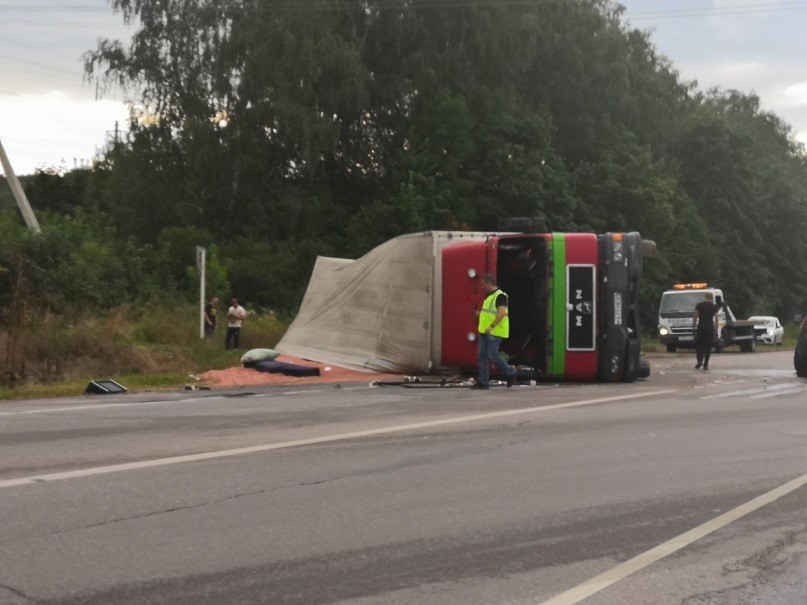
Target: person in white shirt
{"points": [[235, 315]]}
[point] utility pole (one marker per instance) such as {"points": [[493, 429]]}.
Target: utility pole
{"points": [[18, 193], [201, 258]]}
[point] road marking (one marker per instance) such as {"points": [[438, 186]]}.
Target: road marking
{"points": [[779, 393], [103, 406], [130, 466], [623, 570], [751, 392]]}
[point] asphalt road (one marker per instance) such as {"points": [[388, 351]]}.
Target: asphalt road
{"points": [[396, 495]]}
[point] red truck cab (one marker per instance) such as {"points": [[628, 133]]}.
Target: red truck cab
{"points": [[573, 302]]}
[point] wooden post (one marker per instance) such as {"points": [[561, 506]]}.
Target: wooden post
{"points": [[19, 194]]}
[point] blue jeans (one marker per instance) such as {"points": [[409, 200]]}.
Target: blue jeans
{"points": [[489, 351], [233, 334]]}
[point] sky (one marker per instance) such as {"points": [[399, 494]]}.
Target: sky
{"points": [[51, 118], [754, 46]]}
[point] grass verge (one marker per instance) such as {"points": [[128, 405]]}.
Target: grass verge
{"points": [[149, 349], [74, 386]]}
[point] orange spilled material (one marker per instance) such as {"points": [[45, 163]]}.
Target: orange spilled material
{"points": [[243, 377]]}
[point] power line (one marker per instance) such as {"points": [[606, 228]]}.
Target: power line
{"points": [[308, 5], [37, 49], [64, 24], [743, 9], [50, 8], [40, 66]]}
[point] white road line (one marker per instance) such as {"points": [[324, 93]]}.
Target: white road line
{"points": [[623, 570], [130, 466], [750, 392], [791, 391], [104, 406]]}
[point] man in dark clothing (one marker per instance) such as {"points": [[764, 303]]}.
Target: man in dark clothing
{"points": [[704, 324], [211, 314]]}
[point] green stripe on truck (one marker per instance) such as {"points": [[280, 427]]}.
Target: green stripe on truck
{"points": [[557, 363]]}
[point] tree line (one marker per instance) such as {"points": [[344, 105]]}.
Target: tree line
{"points": [[273, 131]]}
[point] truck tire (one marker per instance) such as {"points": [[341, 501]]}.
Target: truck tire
{"points": [[630, 370], [720, 344], [671, 348], [800, 356], [748, 346], [632, 359]]}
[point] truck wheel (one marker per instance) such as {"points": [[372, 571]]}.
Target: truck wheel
{"points": [[720, 345], [671, 348], [631, 364], [800, 365], [748, 346], [643, 370]]}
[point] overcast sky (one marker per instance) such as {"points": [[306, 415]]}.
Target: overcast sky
{"points": [[49, 117]]}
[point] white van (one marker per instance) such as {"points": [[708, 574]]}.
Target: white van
{"points": [[675, 314]]}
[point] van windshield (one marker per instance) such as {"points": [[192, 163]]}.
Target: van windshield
{"points": [[680, 302]]}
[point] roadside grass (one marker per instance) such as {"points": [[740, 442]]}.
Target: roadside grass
{"points": [[791, 336], [157, 350], [651, 344], [76, 386], [142, 350]]}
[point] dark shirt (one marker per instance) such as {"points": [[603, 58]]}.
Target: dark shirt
{"points": [[501, 300], [706, 315], [211, 313]]}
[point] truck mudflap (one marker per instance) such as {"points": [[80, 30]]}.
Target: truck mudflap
{"points": [[619, 336]]}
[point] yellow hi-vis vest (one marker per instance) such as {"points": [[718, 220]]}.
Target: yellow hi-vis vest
{"points": [[488, 314]]}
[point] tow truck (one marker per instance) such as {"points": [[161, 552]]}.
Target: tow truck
{"points": [[675, 320]]}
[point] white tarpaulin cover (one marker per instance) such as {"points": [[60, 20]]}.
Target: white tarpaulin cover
{"points": [[380, 312]]}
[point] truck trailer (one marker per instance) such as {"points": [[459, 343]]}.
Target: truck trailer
{"points": [[410, 305]]}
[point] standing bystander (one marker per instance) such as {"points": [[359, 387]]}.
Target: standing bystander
{"points": [[235, 315], [705, 326], [211, 314]]}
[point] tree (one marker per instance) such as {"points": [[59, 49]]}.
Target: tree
{"points": [[337, 124]]}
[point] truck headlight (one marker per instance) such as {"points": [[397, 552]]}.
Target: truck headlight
{"points": [[663, 331], [618, 251]]}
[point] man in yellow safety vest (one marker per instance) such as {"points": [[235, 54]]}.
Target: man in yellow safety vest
{"points": [[494, 326]]}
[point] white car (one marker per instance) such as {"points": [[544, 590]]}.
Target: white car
{"points": [[769, 330]]}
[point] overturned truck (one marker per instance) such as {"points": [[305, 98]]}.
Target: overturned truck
{"points": [[410, 304]]}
